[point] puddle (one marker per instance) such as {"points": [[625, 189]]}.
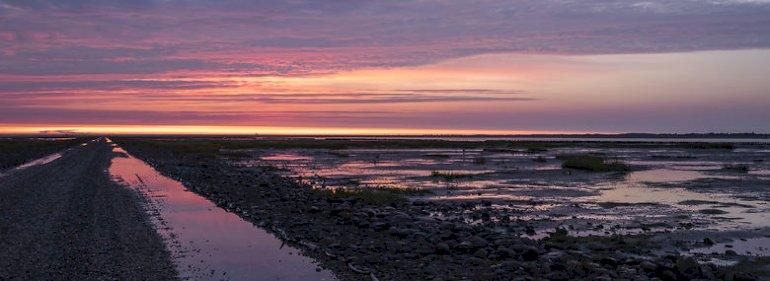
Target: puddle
{"points": [[760, 172], [723, 210], [750, 247], [208, 243], [394, 168], [39, 161], [286, 157], [664, 175], [36, 162], [654, 194]]}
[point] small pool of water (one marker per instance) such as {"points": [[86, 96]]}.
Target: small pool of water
{"points": [[39, 161], [510, 176], [36, 162], [750, 247], [674, 175], [207, 242]]}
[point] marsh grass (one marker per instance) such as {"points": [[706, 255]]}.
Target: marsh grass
{"points": [[450, 176], [373, 195], [540, 159], [593, 163], [339, 154], [436, 155], [738, 168]]}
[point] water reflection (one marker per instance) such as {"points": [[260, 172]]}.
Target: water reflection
{"points": [[759, 246], [656, 190], [207, 242], [40, 161], [36, 162]]}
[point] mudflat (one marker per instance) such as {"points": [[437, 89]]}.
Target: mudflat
{"points": [[67, 220]]}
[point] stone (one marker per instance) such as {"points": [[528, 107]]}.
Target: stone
{"points": [[530, 254]]}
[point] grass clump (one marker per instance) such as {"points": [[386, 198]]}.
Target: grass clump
{"points": [[593, 163], [374, 195], [449, 176], [536, 149], [540, 159], [738, 168]]}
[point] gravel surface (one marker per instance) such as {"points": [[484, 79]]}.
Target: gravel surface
{"points": [[67, 220]]}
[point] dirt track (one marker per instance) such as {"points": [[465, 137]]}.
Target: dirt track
{"points": [[68, 220]]}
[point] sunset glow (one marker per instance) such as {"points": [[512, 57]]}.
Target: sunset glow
{"points": [[272, 72]]}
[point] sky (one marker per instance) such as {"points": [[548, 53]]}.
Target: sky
{"points": [[384, 67]]}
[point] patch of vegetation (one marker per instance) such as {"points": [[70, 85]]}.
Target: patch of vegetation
{"points": [[450, 176], [234, 154], [697, 202], [436, 155], [536, 149], [339, 154], [593, 163], [712, 212], [373, 195], [540, 159], [737, 168], [708, 145]]}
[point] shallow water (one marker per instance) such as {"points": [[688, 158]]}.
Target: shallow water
{"points": [[207, 242], [536, 185], [759, 246], [40, 161], [37, 162]]}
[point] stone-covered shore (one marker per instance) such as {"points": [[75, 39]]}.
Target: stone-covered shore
{"points": [[399, 241]]}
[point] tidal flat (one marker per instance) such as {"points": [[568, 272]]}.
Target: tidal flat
{"points": [[444, 209], [384, 209]]}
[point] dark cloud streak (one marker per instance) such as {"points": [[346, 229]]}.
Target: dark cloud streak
{"points": [[299, 37]]}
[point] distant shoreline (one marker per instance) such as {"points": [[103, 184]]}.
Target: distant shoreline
{"points": [[468, 136]]}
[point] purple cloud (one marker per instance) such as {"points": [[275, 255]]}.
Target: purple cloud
{"points": [[298, 37]]}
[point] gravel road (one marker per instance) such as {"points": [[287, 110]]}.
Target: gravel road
{"points": [[67, 220]]}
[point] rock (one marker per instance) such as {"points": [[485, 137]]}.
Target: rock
{"points": [[442, 248], [708, 242], [478, 242], [529, 230], [609, 261], [647, 266], [530, 254], [667, 275], [399, 232], [465, 246], [380, 226], [505, 252], [480, 253], [558, 276], [313, 209], [687, 267], [359, 269]]}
